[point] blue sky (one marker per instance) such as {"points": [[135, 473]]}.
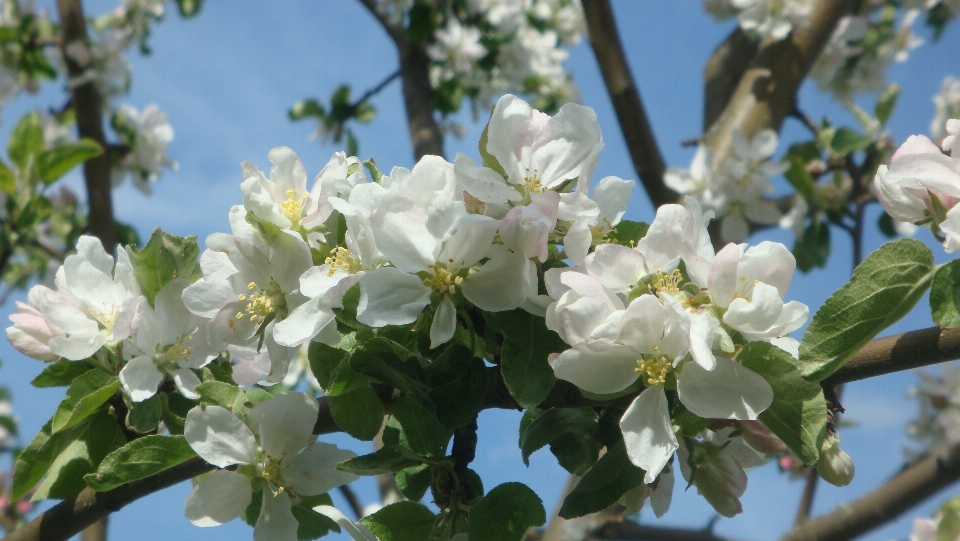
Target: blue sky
{"points": [[227, 79]]}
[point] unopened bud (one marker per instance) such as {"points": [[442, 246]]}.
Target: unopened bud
{"points": [[835, 466], [758, 436]]}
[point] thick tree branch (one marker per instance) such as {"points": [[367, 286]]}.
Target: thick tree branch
{"points": [[767, 90], [425, 133], [723, 71], [88, 108], [910, 487], [626, 530], [644, 152]]}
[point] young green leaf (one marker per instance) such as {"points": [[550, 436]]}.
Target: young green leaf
{"points": [[458, 383], [555, 423], [945, 295], [26, 139], [144, 416], [609, 479], [422, 432], [358, 412], [882, 289], [401, 521], [84, 397], [81, 456], [389, 458], [798, 414], [58, 161], [140, 458], [506, 513], [164, 258], [61, 373]]}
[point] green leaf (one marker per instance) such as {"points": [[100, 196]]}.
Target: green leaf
{"points": [[945, 295], [81, 456], [801, 179], [376, 360], [847, 140], [58, 161], [812, 249], [798, 414], [306, 109], [33, 462], [189, 8], [886, 103], [8, 182], [388, 459], [886, 225], [401, 521], [26, 139], [175, 408], [375, 173], [422, 431], [61, 373], [523, 361], [165, 258], [555, 423], [628, 233], [38, 209], [506, 513], [576, 453], [84, 397], [882, 289], [331, 367], [310, 524], [358, 412], [140, 458], [414, 482], [458, 384], [609, 479], [144, 416]]}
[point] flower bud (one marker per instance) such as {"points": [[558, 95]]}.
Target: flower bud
{"points": [[758, 436], [835, 466]]}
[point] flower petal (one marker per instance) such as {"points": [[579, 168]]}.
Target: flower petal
{"points": [[598, 369], [219, 437], [647, 432], [314, 471], [389, 296], [729, 391], [218, 498], [285, 423], [444, 323], [276, 522], [140, 378]]}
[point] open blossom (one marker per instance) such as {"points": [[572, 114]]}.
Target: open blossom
{"points": [[922, 185], [283, 199], [94, 303], [248, 284], [147, 134], [274, 452], [772, 18], [457, 48], [165, 343]]}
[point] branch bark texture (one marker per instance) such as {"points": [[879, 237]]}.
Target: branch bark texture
{"points": [[631, 115], [88, 108], [766, 92]]}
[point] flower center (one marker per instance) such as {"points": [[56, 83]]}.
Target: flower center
{"points": [[654, 367], [443, 281], [532, 184], [174, 354], [260, 303], [666, 283], [273, 475], [107, 316], [341, 258], [745, 287], [292, 208]]}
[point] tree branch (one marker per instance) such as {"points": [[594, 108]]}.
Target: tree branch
{"points": [[767, 90], [87, 106], [907, 489], [723, 71], [425, 133], [644, 152], [626, 530]]}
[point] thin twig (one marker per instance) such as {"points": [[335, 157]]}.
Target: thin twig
{"points": [[806, 120], [353, 500], [375, 90]]}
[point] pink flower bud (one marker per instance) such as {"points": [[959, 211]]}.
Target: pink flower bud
{"points": [[758, 436]]}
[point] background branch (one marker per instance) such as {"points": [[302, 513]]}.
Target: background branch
{"points": [[723, 71], [641, 143], [626, 530]]}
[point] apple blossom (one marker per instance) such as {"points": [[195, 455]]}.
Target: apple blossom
{"points": [[147, 135], [947, 104], [283, 199], [276, 454]]}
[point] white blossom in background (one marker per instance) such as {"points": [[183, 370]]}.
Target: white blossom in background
{"points": [[937, 427], [165, 342], [772, 18], [947, 104], [103, 63], [146, 134], [131, 20], [55, 133], [455, 51], [274, 451]]}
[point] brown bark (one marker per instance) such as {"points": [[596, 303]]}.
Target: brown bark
{"points": [[723, 71], [88, 108], [632, 117]]}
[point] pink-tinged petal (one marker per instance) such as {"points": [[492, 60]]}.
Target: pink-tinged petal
{"points": [[915, 144], [314, 471], [285, 423], [761, 438], [219, 437], [577, 242], [218, 498], [598, 369], [951, 229], [647, 432], [758, 315], [588, 286], [276, 522], [722, 481], [729, 391]]}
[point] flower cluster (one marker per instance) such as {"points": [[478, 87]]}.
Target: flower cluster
{"points": [[938, 425], [146, 136], [947, 104], [633, 318], [862, 49], [922, 185], [763, 18], [493, 47], [734, 189]]}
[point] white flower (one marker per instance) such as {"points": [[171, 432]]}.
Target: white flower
{"points": [[165, 343], [925, 529], [773, 18], [951, 143], [592, 217], [103, 63], [947, 104], [147, 135], [717, 474], [283, 199], [741, 183], [275, 452], [247, 284], [457, 49], [357, 531]]}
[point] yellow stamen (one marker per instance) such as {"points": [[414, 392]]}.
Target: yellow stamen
{"points": [[443, 281], [292, 208], [341, 258], [666, 283], [532, 184], [654, 368]]}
